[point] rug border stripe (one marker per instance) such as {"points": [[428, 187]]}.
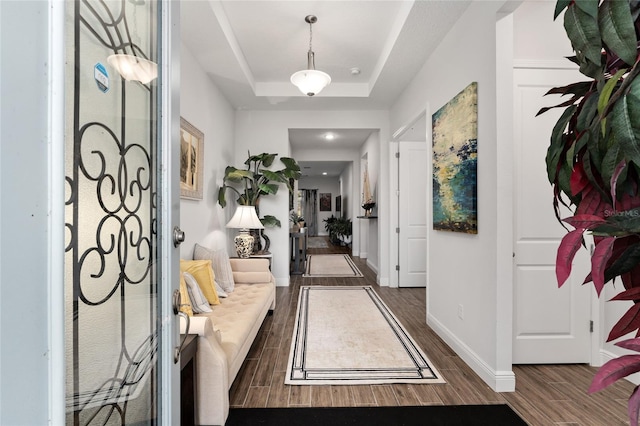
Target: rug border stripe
{"points": [[356, 272], [297, 374]]}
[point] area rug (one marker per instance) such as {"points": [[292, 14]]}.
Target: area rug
{"points": [[317, 242], [433, 415], [331, 265], [348, 336]]}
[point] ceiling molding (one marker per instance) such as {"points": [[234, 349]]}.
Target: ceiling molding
{"points": [[396, 29], [223, 20]]}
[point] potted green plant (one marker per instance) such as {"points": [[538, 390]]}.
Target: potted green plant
{"points": [[257, 180], [593, 163], [343, 229], [296, 220], [339, 228]]}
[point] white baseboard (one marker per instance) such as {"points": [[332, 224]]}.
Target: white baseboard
{"points": [[373, 267], [608, 356], [363, 255], [499, 381], [282, 281]]}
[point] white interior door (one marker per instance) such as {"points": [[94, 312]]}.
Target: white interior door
{"points": [[551, 325], [412, 238]]}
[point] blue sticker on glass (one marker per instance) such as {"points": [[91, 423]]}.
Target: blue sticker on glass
{"points": [[101, 76]]}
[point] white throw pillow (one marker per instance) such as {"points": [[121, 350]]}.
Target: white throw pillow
{"points": [[220, 290], [199, 303], [220, 264]]}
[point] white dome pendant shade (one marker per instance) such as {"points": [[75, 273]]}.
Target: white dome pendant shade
{"points": [[310, 81], [134, 68]]}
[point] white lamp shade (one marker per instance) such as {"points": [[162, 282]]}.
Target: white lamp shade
{"points": [[133, 68], [245, 217], [310, 82]]}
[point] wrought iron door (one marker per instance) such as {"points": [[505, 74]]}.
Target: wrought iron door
{"points": [[112, 292]]}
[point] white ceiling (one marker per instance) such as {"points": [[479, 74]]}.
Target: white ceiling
{"points": [[250, 49]]}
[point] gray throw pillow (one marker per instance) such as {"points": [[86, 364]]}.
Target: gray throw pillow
{"points": [[220, 264], [199, 303]]}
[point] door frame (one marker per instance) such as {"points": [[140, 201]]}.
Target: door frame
{"points": [[170, 209], [394, 188]]}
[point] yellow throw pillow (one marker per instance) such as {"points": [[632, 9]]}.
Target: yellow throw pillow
{"points": [[203, 273], [185, 302]]}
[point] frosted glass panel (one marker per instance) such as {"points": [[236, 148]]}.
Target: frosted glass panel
{"points": [[110, 265]]}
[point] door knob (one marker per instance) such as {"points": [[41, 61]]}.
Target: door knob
{"points": [[178, 236]]}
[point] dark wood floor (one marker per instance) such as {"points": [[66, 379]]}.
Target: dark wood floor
{"points": [[545, 394]]}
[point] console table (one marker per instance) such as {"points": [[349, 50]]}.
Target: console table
{"points": [[298, 251]]}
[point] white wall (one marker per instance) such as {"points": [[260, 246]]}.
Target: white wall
{"points": [[269, 131], [31, 213], [323, 185], [347, 191], [370, 156], [463, 269], [203, 105]]}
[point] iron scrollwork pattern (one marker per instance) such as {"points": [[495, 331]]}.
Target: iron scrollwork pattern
{"points": [[111, 246]]}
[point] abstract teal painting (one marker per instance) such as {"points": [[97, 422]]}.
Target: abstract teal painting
{"points": [[455, 159]]}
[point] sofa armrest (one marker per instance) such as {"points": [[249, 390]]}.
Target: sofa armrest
{"points": [[251, 271], [212, 373], [255, 264]]}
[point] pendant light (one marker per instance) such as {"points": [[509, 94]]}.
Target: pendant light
{"points": [[133, 67], [310, 81]]}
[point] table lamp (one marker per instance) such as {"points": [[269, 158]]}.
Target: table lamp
{"points": [[244, 219]]}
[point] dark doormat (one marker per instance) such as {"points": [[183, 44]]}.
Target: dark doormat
{"points": [[433, 415]]}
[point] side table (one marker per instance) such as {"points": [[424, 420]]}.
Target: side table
{"points": [[188, 388]]}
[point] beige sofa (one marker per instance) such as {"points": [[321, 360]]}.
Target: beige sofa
{"points": [[226, 335]]}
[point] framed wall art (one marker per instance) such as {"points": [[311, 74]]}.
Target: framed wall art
{"points": [[325, 202], [191, 161], [455, 157]]}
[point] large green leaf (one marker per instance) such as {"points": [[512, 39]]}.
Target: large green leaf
{"points": [[588, 68], [270, 221], [587, 112], [564, 178], [605, 95], [268, 188], [560, 6], [237, 175], [271, 175], [554, 153], [583, 31], [268, 159], [625, 126], [290, 163], [610, 162], [617, 29], [590, 7], [221, 197]]}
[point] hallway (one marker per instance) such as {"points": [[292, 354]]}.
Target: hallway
{"points": [[545, 394]]}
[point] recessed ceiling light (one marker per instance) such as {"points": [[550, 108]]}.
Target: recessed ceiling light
{"points": [[329, 136], [324, 173]]}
